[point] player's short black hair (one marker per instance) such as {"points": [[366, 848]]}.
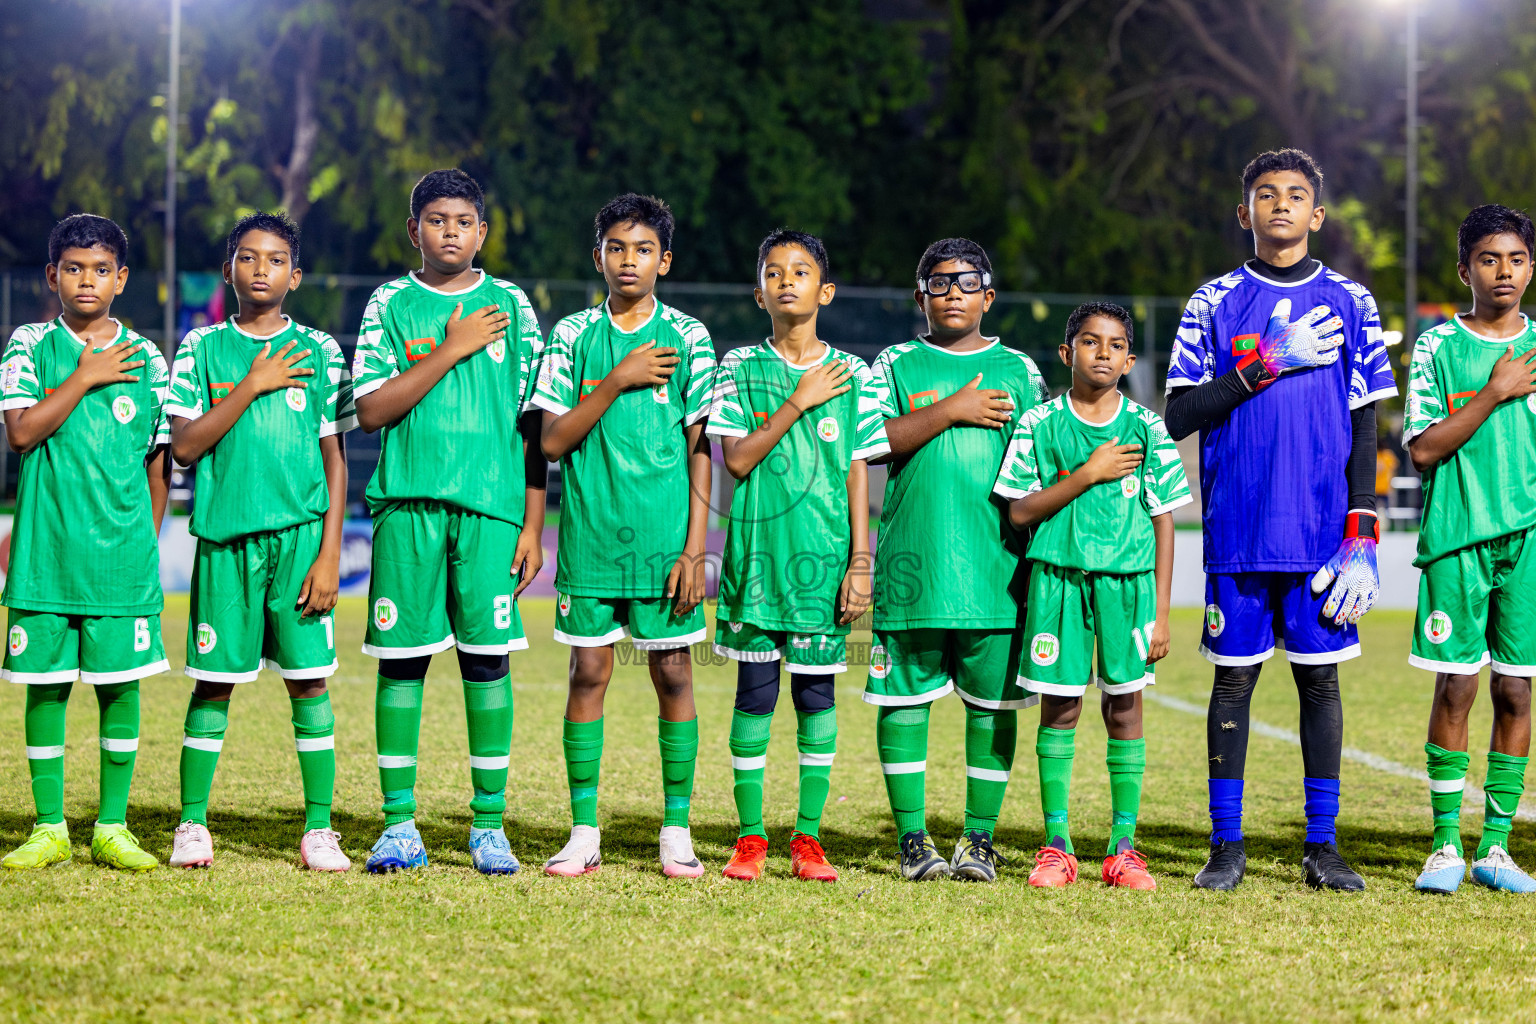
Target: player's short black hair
{"points": [[634, 208], [1081, 315], [273, 224], [86, 231], [1492, 219], [810, 243], [449, 183], [961, 250], [1284, 160]]}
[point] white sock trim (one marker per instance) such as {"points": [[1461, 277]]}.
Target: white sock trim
{"points": [[397, 760], [1447, 785], [818, 760], [307, 744], [45, 753], [495, 762], [117, 746], [986, 774], [749, 764], [203, 743], [903, 767]]}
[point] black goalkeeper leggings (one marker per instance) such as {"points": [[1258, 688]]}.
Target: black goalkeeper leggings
{"points": [[1322, 719]]}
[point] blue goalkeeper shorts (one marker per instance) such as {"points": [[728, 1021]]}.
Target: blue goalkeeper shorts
{"points": [[1249, 614]]}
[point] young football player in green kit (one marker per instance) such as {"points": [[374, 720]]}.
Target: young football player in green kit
{"points": [[265, 433], [948, 581], [625, 388], [1470, 427], [83, 398], [1097, 477], [797, 421], [446, 362]]}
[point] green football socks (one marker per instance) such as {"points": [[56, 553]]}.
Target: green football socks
{"points": [[200, 746], [1447, 778], [583, 742], [816, 739], [1127, 762], [990, 739], [488, 710], [1501, 798], [397, 730], [679, 742], [749, 756], [901, 734], [44, 729], [119, 705], [1054, 748], [314, 737]]}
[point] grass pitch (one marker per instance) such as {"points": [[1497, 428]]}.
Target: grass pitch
{"points": [[256, 938]]}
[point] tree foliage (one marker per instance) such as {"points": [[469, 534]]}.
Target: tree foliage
{"points": [[1092, 145]]}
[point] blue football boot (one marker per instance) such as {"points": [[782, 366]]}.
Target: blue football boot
{"points": [[1499, 871], [1443, 871], [491, 852], [398, 849]]}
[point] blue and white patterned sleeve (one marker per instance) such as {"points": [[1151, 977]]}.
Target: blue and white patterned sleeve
{"points": [[1370, 364], [1193, 360]]}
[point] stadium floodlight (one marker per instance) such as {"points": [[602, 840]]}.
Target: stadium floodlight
{"points": [[172, 116]]}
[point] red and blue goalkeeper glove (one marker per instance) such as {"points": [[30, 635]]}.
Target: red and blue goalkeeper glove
{"points": [[1352, 570], [1288, 344]]}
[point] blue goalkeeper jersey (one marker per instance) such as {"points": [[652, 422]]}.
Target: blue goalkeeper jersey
{"points": [[1274, 472]]}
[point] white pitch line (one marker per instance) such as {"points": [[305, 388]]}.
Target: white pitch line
{"points": [[1472, 796]]}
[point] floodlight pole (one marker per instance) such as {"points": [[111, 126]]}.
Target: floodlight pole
{"points": [[172, 118], [1411, 200]]}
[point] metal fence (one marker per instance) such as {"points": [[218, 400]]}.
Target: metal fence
{"points": [[860, 320]]}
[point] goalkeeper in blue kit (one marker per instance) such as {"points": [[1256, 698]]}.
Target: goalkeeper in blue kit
{"points": [[1278, 365]]}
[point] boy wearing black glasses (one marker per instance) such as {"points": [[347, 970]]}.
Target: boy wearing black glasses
{"points": [[949, 590]]}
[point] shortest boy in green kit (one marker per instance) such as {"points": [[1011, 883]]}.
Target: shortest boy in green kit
{"points": [[1098, 477], [258, 404]]}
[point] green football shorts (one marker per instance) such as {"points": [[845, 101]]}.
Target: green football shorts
{"points": [[245, 611], [442, 577], [1068, 610], [649, 622], [916, 666], [1478, 605], [47, 648], [805, 653]]}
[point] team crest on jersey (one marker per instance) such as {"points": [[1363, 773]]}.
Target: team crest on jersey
{"points": [[1044, 649], [1530, 402], [1215, 621], [206, 638], [16, 642], [1129, 485], [1437, 628], [497, 350], [661, 394], [827, 429], [384, 614], [123, 408], [879, 662], [565, 605], [296, 399]]}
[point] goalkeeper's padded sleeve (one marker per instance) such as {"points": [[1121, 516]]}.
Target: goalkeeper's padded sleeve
{"points": [[1362, 458]]}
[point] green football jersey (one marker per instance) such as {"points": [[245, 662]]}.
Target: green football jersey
{"points": [[945, 557], [624, 490], [83, 540], [1107, 528], [460, 444], [266, 473], [786, 548], [1487, 488]]}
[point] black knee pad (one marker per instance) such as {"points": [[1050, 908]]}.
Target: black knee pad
{"points": [[481, 668], [812, 693], [757, 686], [1233, 685], [405, 668]]}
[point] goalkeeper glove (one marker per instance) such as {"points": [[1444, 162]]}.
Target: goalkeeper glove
{"points": [[1352, 570], [1287, 345]]}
